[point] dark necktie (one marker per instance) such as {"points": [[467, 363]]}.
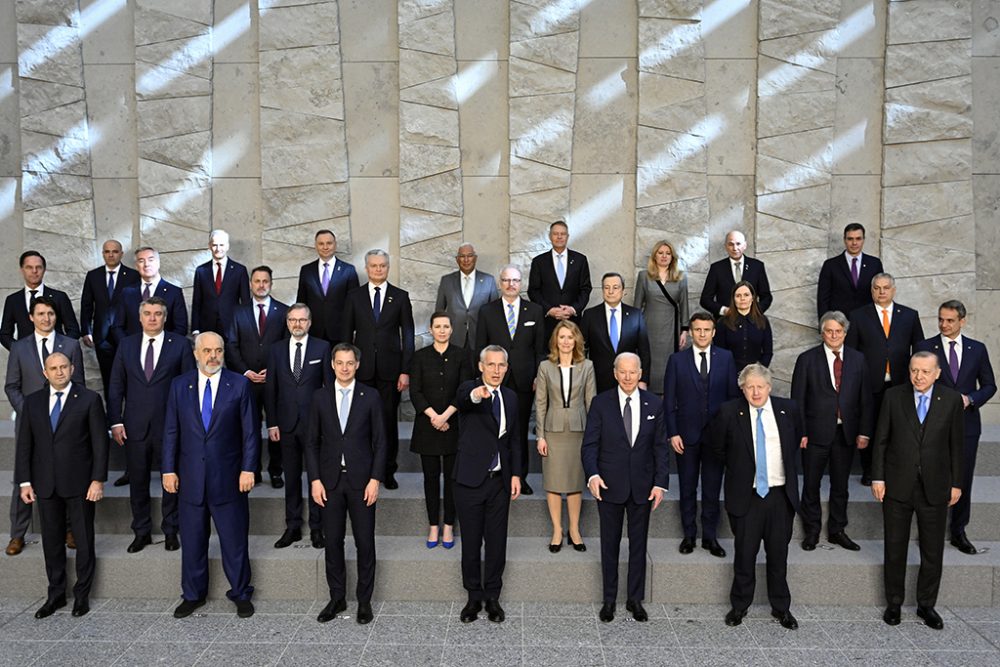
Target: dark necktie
{"points": [[703, 367], [854, 271], [496, 415], [297, 363], [838, 373], [953, 362], [56, 410], [206, 406], [261, 320], [627, 417], [145, 292], [147, 365], [45, 350], [111, 284], [31, 301], [218, 277], [377, 304]]}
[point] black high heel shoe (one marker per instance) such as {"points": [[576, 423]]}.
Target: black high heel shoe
{"points": [[555, 548], [576, 546]]}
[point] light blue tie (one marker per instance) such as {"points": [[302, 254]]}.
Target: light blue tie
{"points": [[761, 483], [511, 325], [206, 406], [561, 269], [922, 408], [343, 409], [613, 326], [56, 409]]}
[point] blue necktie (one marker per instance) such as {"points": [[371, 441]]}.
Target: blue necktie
{"points": [[496, 415], [111, 284], [56, 409], [613, 326], [342, 414], [561, 269], [206, 406], [761, 482], [511, 324], [922, 408], [377, 304], [325, 280]]}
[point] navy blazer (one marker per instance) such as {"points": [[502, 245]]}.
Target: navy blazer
{"points": [[246, 349], [525, 351], [688, 407], [867, 336], [286, 402], [137, 403], [632, 338], [208, 463], [834, 291], [387, 345], [748, 343], [819, 401], [24, 367], [543, 284], [975, 377], [15, 316], [127, 312], [97, 309], [214, 312], [479, 436], [719, 284], [362, 445], [629, 470], [327, 309]]}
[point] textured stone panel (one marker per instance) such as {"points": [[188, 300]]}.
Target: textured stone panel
{"points": [[191, 208], [416, 226], [607, 93], [156, 178], [297, 26], [528, 236], [44, 152], [815, 50], [418, 67], [433, 34], [909, 204], [75, 219], [671, 9], [372, 114], [673, 48], [303, 80], [168, 237], [283, 207], [929, 111], [775, 234], [158, 119], [159, 82], [731, 204], [551, 143], [786, 268], [928, 162], [985, 120], [65, 121], [437, 93], [543, 17], [670, 103], [483, 119], [986, 189], [731, 112], [420, 160], [304, 236], [559, 51], [413, 10], [810, 206], [194, 10], [191, 152], [192, 55], [660, 186], [420, 123], [926, 61], [800, 112], [858, 120], [791, 17], [304, 164], [10, 141], [438, 251], [50, 53], [528, 78], [45, 189], [48, 12], [955, 233], [528, 176], [692, 251], [678, 217], [665, 150], [61, 250], [280, 128], [153, 26], [441, 193], [111, 114], [929, 21], [545, 205], [775, 175]]}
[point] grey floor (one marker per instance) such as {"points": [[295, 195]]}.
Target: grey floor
{"points": [[143, 632]]}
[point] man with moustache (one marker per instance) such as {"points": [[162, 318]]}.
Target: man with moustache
{"points": [[324, 285]]}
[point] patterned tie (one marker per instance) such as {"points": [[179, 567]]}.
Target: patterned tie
{"points": [[325, 280], [218, 278], [45, 350], [511, 323], [145, 292], [496, 415], [147, 365], [377, 304], [206, 406], [56, 410], [560, 270], [854, 271], [703, 367], [922, 408], [838, 373], [885, 328], [261, 320], [627, 418], [761, 480], [344, 407], [953, 362], [297, 362], [111, 284], [613, 329]]}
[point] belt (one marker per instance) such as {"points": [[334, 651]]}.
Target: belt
{"points": [[493, 474]]}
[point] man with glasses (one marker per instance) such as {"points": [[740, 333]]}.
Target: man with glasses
{"points": [[612, 328]]}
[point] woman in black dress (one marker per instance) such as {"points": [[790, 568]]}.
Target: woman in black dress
{"points": [[744, 330], [436, 372]]}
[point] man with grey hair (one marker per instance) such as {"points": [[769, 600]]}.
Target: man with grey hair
{"points": [[830, 385], [147, 263], [725, 273], [221, 285], [462, 293]]}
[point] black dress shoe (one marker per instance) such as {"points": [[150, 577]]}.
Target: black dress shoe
{"points": [[687, 545], [714, 548], [139, 543], [735, 617], [931, 618], [866, 480], [331, 610], [365, 614], [607, 612], [317, 539], [122, 481], [80, 607], [841, 539], [50, 607], [636, 609], [187, 607], [244, 608], [891, 615], [786, 619], [809, 542], [962, 543], [555, 548], [526, 489], [288, 537], [470, 611], [494, 611], [277, 482], [577, 546], [391, 483], [171, 542]]}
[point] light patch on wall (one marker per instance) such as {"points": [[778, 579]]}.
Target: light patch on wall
{"points": [[6, 82], [75, 142], [8, 197], [605, 91], [597, 209], [63, 37], [718, 12], [470, 80]]}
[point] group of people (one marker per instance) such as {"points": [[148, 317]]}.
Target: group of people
{"points": [[614, 388]]}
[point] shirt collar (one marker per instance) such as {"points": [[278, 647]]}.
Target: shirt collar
{"points": [[304, 341], [38, 290], [879, 309], [622, 395], [946, 340], [849, 256], [698, 351], [928, 393], [51, 336], [158, 337], [350, 388], [64, 390], [829, 350], [767, 406], [266, 303]]}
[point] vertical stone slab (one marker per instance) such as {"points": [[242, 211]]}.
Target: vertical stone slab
{"points": [[10, 150]]}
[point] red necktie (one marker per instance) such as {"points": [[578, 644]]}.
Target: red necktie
{"points": [[838, 372], [218, 277], [261, 320]]}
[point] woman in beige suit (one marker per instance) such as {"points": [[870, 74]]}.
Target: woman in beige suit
{"points": [[564, 388]]}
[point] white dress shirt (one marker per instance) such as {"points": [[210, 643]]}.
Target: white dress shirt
{"points": [[39, 291], [517, 310], [371, 295], [850, 259], [202, 380], [291, 354], [772, 444], [697, 357], [215, 266], [340, 398], [946, 346], [636, 422], [333, 267], [153, 286], [565, 262], [157, 348], [50, 340]]}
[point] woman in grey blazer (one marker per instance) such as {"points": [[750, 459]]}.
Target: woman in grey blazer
{"points": [[661, 292], [564, 388]]}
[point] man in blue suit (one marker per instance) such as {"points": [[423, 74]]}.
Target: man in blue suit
{"points": [[626, 461], [211, 447], [324, 285], [696, 384], [145, 366], [611, 328], [147, 263], [965, 367], [221, 285]]}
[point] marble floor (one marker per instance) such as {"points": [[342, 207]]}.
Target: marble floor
{"points": [[123, 632]]}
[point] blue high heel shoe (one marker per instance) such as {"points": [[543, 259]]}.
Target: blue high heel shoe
{"points": [[448, 545]]}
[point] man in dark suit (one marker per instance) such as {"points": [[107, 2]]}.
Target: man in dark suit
{"points": [[559, 280], [18, 305], [147, 263], [298, 370], [324, 285], [378, 320], [487, 464], [516, 325], [62, 462], [626, 461], [221, 286], [612, 328], [966, 369], [724, 274], [25, 376], [345, 457], [145, 366], [917, 469], [255, 327], [757, 439], [462, 293], [102, 289], [845, 279], [211, 444], [885, 332], [830, 386], [695, 385]]}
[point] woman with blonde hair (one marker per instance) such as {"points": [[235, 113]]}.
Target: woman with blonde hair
{"points": [[661, 292]]}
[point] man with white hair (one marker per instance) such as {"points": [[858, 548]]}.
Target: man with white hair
{"points": [[725, 273], [221, 285]]}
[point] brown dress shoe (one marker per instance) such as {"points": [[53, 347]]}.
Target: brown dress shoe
{"points": [[15, 546], [70, 540]]}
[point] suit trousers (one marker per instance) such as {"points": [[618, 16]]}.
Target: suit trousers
{"points": [[961, 511], [343, 501], [768, 520], [54, 512], [525, 401], [931, 523], [274, 467], [866, 454], [105, 360], [482, 513], [693, 464], [232, 523], [390, 413], [140, 456], [612, 516], [292, 446], [839, 455], [20, 514]]}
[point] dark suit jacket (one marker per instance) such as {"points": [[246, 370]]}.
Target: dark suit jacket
{"points": [[719, 284], [632, 338], [214, 312], [246, 350], [127, 312], [97, 310], [479, 436], [64, 462], [867, 336], [24, 367], [327, 310], [208, 464], [136, 403], [975, 377], [525, 351], [732, 443], [628, 470], [363, 445], [286, 402], [834, 290], [15, 316], [543, 285], [464, 317], [688, 407], [907, 452], [818, 400], [387, 345]]}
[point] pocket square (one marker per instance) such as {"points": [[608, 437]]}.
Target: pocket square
{"points": [[315, 361], [529, 324], [648, 417]]}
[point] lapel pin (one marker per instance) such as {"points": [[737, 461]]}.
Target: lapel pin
{"points": [[190, 386], [742, 413]]}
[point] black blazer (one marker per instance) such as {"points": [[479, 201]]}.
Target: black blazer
{"points": [[479, 436], [286, 402], [64, 462], [214, 312], [732, 444], [327, 310], [363, 446], [867, 336], [834, 290], [907, 452], [975, 377], [818, 400], [719, 284], [544, 290], [246, 350], [97, 311], [127, 312], [387, 345], [748, 343], [632, 338], [433, 383], [15, 316], [525, 351]]}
